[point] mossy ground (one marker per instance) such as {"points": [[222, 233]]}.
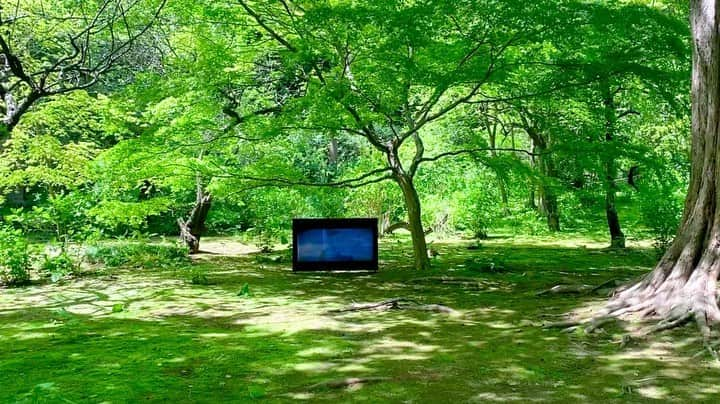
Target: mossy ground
{"points": [[155, 336]]}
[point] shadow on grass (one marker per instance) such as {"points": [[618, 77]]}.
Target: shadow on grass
{"points": [[153, 336]]}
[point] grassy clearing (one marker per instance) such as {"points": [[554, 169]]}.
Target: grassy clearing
{"points": [[253, 330]]}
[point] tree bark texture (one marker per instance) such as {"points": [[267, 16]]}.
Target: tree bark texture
{"points": [[684, 282], [192, 229], [412, 204]]}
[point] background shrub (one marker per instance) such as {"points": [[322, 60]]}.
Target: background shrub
{"points": [[137, 255], [14, 257]]}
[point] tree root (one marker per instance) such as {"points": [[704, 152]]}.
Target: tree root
{"points": [[568, 325], [675, 317], [448, 280], [577, 289], [670, 323], [347, 382], [709, 348], [558, 289], [397, 303], [611, 283], [571, 325]]}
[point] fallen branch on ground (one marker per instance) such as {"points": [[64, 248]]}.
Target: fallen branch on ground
{"points": [[348, 382], [399, 303], [448, 280]]}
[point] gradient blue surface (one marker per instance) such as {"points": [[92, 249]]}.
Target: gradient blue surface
{"points": [[335, 245]]}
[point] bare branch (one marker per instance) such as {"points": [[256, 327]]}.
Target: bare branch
{"points": [[478, 150], [626, 113], [74, 70], [356, 182], [261, 22]]}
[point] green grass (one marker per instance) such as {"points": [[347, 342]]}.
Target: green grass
{"points": [[256, 331]]}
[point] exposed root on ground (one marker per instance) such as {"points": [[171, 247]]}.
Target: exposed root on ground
{"points": [[579, 289], [347, 382], [672, 303], [398, 303], [449, 280]]}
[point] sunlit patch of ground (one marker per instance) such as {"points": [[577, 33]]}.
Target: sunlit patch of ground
{"points": [[256, 330], [223, 246]]}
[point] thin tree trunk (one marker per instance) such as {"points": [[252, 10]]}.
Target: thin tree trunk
{"points": [[530, 204], [404, 178], [492, 134], [548, 200], [684, 282], [333, 151], [384, 223], [617, 238], [503, 196], [412, 204]]}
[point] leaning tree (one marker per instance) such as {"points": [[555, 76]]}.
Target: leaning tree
{"points": [[387, 72], [683, 285]]}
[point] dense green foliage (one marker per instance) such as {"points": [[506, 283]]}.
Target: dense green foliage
{"points": [[522, 144], [14, 257], [502, 118], [137, 255]]}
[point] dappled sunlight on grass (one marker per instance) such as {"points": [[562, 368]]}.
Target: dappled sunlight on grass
{"points": [[258, 331]]}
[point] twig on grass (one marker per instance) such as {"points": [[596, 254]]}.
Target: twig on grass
{"points": [[397, 303]]}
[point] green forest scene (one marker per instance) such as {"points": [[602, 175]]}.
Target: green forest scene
{"points": [[538, 181]]}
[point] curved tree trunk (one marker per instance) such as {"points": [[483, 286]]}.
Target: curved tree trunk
{"points": [[412, 204], [192, 229], [683, 285]]}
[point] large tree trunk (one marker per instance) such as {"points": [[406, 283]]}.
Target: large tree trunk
{"points": [[412, 204], [617, 238], [192, 229], [683, 285]]}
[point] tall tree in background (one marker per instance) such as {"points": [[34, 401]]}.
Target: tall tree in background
{"points": [[640, 50], [683, 285]]}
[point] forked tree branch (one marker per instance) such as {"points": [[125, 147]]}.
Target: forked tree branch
{"points": [[74, 70], [356, 182], [478, 150]]}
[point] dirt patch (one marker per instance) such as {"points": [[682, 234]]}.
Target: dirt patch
{"points": [[224, 248]]}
